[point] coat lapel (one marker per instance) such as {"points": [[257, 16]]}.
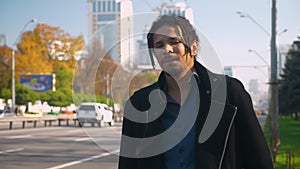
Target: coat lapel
{"points": [[214, 119]]}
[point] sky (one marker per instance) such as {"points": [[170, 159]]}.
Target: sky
{"points": [[230, 35]]}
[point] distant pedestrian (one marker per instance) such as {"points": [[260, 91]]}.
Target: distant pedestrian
{"points": [[17, 111]]}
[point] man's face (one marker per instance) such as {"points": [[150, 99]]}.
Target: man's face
{"points": [[170, 51]]}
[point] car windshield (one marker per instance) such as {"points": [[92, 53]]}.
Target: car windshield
{"points": [[87, 107]]}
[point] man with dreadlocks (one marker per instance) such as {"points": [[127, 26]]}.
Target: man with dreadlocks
{"points": [[190, 118]]}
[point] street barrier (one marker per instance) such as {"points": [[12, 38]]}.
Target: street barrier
{"points": [[35, 120]]}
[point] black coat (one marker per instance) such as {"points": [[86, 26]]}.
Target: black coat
{"points": [[237, 140]]}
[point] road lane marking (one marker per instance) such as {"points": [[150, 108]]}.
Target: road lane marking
{"points": [[19, 136], [83, 160], [82, 139], [74, 131], [11, 150]]}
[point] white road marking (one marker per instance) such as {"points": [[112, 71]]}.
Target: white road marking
{"points": [[82, 139], [74, 131], [11, 150], [83, 160], [19, 136]]}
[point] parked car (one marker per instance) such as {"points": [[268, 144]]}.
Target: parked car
{"points": [[92, 112], [6, 112]]}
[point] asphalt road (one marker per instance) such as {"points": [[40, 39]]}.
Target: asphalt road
{"points": [[59, 147], [62, 147]]}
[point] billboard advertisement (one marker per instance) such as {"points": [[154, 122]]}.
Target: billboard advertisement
{"points": [[37, 82]]}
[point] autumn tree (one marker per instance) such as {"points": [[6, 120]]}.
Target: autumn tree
{"points": [[46, 49], [143, 79], [92, 70], [5, 67], [95, 73]]}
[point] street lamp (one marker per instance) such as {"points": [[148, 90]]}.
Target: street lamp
{"points": [[13, 65], [257, 54], [273, 89], [245, 15], [108, 86]]}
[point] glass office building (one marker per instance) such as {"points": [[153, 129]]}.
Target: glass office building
{"points": [[106, 21]]}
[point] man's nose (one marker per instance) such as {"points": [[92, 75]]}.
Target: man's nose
{"points": [[168, 48]]}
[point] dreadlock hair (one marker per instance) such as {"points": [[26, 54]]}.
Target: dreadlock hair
{"points": [[189, 34]]}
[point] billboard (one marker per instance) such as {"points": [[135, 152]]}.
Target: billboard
{"points": [[37, 82]]}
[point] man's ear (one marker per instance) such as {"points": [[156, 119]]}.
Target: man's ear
{"points": [[194, 48]]}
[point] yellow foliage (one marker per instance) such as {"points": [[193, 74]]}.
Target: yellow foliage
{"points": [[44, 46]]}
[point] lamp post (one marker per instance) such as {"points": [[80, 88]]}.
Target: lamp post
{"points": [[245, 15], [273, 108], [273, 88], [257, 54], [108, 85], [266, 63], [13, 100]]}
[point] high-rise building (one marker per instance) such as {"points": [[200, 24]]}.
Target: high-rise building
{"points": [[178, 8], [142, 58], [111, 22]]}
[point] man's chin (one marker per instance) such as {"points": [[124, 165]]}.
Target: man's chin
{"points": [[173, 72]]}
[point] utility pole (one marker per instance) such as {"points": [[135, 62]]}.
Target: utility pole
{"points": [[13, 95], [273, 103], [273, 81]]}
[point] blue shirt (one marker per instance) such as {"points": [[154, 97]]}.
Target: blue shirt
{"points": [[181, 156]]}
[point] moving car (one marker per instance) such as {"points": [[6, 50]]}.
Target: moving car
{"points": [[92, 112]]}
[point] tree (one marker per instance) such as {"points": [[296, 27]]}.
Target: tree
{"points": [[5, 93], [93, 69], [5, 68], [25, 95], [289, 90], [48, 50], [63, 77], [143, 79], [45, 50]]}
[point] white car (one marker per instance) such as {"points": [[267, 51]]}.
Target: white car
{"points": [[92, 112], [5, 113]]}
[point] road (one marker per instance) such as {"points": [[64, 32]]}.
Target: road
{"points": [[62, 147], [57, 147]]}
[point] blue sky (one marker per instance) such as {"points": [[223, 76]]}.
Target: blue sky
{"points": [[230, 35]]}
